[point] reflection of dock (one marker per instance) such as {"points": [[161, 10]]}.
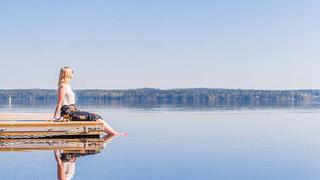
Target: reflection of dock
{"points": [[23, 125], [65, 150], [80, 145]]}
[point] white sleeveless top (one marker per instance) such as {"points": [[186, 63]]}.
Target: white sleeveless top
{"points": [[69, 169], [69, 97]]}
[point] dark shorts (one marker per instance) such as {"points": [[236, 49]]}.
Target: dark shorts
{"points": [[83, 116], [72, 113]]}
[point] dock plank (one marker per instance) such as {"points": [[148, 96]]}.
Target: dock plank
{"points": [[25, 116]]}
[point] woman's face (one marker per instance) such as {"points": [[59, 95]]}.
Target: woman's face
{"points": [[71, 74]]}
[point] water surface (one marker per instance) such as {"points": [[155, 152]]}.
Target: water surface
{"points": [[190, 144]]}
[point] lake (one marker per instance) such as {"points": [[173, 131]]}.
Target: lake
{"points": [[183, 143]]}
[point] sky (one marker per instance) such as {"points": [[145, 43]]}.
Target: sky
{"points": [[124, 44]]}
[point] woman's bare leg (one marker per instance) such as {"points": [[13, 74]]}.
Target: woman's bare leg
{"points": [[109, 130]]}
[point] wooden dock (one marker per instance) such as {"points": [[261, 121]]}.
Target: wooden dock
{"points": [[31, 125]]}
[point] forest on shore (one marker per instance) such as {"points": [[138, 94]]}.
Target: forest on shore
{"points": [[192, 96]]}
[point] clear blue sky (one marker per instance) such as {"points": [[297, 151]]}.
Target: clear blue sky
{"points": [[251, 44]]}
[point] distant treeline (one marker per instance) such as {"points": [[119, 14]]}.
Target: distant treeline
{"points": [[193, 96]]}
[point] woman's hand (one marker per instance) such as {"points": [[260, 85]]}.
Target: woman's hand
{"points": [[55, 119]]}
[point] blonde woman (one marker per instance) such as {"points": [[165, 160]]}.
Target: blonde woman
{"points": [[67, 97]]}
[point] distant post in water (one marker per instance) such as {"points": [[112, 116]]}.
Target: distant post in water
{"points": [[10, 102]]}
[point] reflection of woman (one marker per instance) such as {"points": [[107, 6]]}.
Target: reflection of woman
{"points": [[66, 162], [67, 97]]}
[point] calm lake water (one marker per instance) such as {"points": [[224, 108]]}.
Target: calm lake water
{"points": [[169, 144]]}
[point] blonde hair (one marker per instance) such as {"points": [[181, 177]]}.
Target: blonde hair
{"points": [[65, 75]]}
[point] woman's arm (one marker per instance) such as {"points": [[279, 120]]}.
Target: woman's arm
{"points": [[60, 171], [61, 94], [57, 156]]}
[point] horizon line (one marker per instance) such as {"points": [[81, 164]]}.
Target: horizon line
{"points": [[165, 89]]}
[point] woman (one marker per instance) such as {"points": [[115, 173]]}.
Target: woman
{"points": [[67, 97]]}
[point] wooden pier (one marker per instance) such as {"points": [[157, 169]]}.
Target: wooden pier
{"points": [[30, 125]]}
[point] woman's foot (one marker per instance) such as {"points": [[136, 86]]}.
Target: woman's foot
{"points": [[120, 134]]}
